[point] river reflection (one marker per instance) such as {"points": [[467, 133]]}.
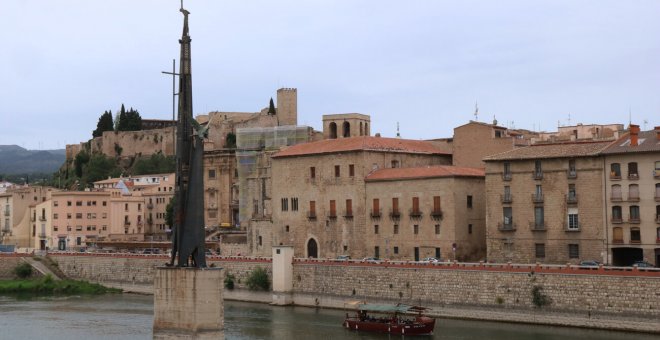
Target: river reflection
{"points": [[129, 316]]}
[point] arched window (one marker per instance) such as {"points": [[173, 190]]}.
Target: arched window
{"points": [[312, 248], [333, 130], [346, 128], [617, 217], [633, 192], [617, 235], [366, 131], [634, 214], [361, 131], [632, 170], [657, 191]]}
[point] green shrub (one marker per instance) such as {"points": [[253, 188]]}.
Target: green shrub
{"points": [[258, 280], [538, 298], [23, 270], [229, 281]]}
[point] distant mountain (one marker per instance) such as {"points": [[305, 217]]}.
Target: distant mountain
{"points": [[17, 160]]}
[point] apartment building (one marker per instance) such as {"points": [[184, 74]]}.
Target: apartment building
{"points": [[632, 197], [545, 203], [17, 204]]}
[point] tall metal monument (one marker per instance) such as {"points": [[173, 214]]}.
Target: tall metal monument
{"points": [[188, 230]]}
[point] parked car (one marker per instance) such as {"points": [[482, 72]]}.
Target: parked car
{"points": [[589, 263], [643, 264], [343, 258], [430, 260], [371, 260]]}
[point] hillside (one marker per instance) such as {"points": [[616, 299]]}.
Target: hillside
{"points": [[17, 160]]}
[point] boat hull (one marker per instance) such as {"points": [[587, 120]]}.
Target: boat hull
{"points": [[421, 325]]}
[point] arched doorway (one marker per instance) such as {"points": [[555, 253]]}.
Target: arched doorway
{"points": [[346, 129], [333, 130], [312, 248]]}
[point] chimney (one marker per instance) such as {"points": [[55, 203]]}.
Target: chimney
{"points": [[634, 134], [657, 133]]}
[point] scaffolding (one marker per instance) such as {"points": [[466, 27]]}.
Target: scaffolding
{"points": [[250, 146]]}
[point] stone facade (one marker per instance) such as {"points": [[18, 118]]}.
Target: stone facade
{"points": [[550, 214], [220, 189], [426, 233], [18, 219], [345, 125], [476, 140]]}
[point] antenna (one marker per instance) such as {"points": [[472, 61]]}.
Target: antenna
{"points": [[645, 122], [569, 119], [629, 115], [398, 135], [476, 111]]}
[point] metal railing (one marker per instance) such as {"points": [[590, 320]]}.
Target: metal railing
{"points": [[506, 198]]}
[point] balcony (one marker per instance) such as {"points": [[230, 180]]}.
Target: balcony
{"points": [[657, 219], [506, 198], [42, 218], [140, 223], [395, 214], [617, 219], [127, 223], [634, 220], [636, 241], [375, 213], [537, 175], [633, 197], [633, 176], [348, 215], [415, 213], [6, 212], [6, 230], [615, 176], [571, 198], [33, 219], [42, 235], [656, 173], [617, 241], [572, 173], [534, 226], [506, 176], [657, 197], [537, 198], [150, 206], [332, 215], [436, 214], [571, 227], [311, 215], [506, 226], [616, 198]]}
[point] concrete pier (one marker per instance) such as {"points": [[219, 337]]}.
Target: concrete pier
{"points": [[188, 303]]}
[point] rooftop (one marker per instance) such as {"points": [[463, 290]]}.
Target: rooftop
{"points": [[424, 172], [551, 150], [647, 142], [364, 143]]}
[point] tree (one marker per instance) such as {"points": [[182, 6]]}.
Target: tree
{"points": [[81, 159], [230, 141], [129, 120], [99, 168], [154, 164], [271, 107], [105, 124], [169, 213]]}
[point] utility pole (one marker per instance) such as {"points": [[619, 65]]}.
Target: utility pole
{"points": [[174, 94]]}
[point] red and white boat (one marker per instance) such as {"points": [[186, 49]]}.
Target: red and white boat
{"points": [[392, 319]]}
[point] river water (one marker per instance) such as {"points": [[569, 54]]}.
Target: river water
{"points": [[127, 316]]}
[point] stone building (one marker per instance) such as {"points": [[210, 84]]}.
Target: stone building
{"points": [[545, 203], [17, 222], [632, 196], [220, 188], [346, 125], [475, 140], [581, 132], [433, 211], [319, 193]]}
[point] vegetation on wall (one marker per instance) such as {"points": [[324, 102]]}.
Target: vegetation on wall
{"points": [[154, 164], [258, 279], [48, 286], [23, 270]]}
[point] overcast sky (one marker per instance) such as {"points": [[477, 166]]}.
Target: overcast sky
{"points": [[421, 63]]}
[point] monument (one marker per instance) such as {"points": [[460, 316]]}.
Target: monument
{"points": [[188, 295]]}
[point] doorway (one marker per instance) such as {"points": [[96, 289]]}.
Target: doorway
{"points": [[312, 248]]}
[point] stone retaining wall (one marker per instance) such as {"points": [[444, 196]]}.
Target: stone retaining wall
{"points": [[7, 265]]}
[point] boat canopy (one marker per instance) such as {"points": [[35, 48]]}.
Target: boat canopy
{"points": [[398, 308]]}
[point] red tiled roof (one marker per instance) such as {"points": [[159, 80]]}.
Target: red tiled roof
{"points": [[364, 143], [648, 142], [424, 172], [554, 150]]}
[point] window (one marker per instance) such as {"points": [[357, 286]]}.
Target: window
{"points": [[632, 170], [469, 201], [538, 194], [436, 205], [333, 130], [211, 173], [657, 234], [633, 192], [105, 203], [572, 195], [294, 204], [573, 251], [635, 236], [634, 214], [573, 222], [657, 191], [415, 229], [104, 215], [312, 172], [415, 206], [260, 241], [507, 213], [375, 207], [89, 215], [351, 170], [657, 213], [312, 208], [349, 208], [617, 216], [78, 203], [396, 250], [79, 240], [395, 164], [396, 229], [286, 229], [376, 229], [55, 216], [395, 206], [617, 235], [337, 171], [437, 229], [376, 251], [284, 202], [79, 215], [140, 205], [469, 228], [125, 206], [68, 216], [78, 228], [55, 228], [89, 203], [615, 171], [333, 209], [539, 250], [68, 203], [538, 171], [538, 217], [507, 170], [572, 171], [55, 203], [616, 193]]}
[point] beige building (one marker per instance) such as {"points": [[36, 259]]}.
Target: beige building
{"points": [[433, 211], [545, 204], [346, 125], [632, 197], [17, 205], [581, 132], [319, 192], [220, 189], [476, 140], [79, 218]]}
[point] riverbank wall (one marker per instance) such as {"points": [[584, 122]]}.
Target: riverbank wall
{"points": [[561, 295]]}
